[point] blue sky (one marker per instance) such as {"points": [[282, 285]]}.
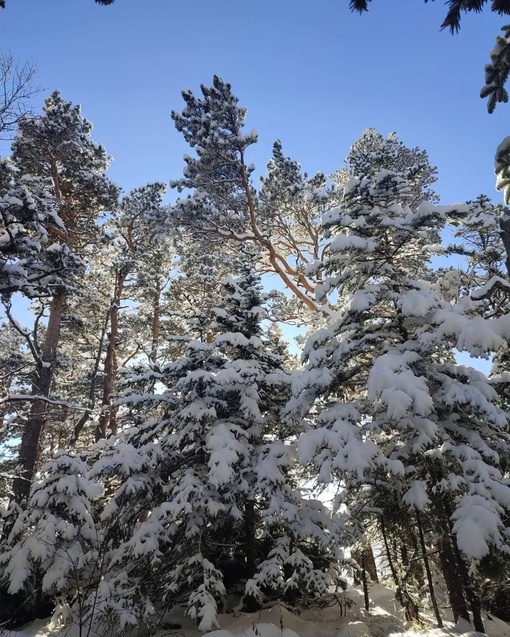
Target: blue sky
{"points": [[310, 72]]}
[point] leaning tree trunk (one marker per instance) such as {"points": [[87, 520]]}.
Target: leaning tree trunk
{"points": [[43, 377]]}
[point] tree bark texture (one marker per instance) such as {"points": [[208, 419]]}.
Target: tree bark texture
{"points": [[43, 377], [250, 548], [452, 577]]}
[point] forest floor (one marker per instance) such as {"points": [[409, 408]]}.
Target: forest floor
{"points": [[384, 619]]}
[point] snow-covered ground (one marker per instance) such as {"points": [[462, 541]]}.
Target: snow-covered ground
{"points": [[385, 618]]}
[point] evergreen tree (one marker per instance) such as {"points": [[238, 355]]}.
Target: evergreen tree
{"points": [[56, 150], [372, 153], [397, 419], [29, 261], [223, 205], [217, 463], [54, 544], [455, 10]]}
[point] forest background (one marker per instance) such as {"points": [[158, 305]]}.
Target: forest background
{"points": [[390, 68]]}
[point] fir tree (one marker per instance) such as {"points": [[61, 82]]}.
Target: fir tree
{"points": [[217, 463], [54, 544]]}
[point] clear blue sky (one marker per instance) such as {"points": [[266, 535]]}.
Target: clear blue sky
{"points": [[310, 72]]}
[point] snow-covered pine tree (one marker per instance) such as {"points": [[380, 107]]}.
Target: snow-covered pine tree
{"points": [[392, 417], [15, 365], [223, 207], [373, 152], [27, 215], [138, 224], [55, 149], [482, 239], [112, 317], [53, 548], [204, 495]]}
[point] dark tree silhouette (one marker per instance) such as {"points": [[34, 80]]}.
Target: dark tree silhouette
{"points": [[455, 9], [103, 2], [498, 70]]}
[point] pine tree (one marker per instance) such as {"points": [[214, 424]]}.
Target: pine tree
{"points": [[223, 205], [372, 153], [29, 216], [455, 9], [56, 150], [397, 419], [54, 544]]}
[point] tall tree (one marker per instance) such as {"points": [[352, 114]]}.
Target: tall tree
{"points": [[213, 462], [223, 205], [56, 148], [283, 217], [384, 394], [136, 223]]}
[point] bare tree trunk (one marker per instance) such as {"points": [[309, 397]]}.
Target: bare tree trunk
{"points": [[155, 325], [410, 608], [30, 440], [433, 599], [370, 565], [107, 418], [452, 577], [504, 224], [249, 529], [364, 582], [463, 581], [366, 555], [469, 589], [388, 554]]}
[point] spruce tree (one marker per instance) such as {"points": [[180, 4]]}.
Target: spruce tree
{"points": [[214, 461]]}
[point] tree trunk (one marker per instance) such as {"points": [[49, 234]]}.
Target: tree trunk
{"points": [[79, 426], [365, 555], [452, 577], [107, 418], [365, 583], [155, 325], [388, 554], [249, 538], [465, 582], [469, 589], [433, 599], [410, 608], [30, 440], [504, 224]]}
